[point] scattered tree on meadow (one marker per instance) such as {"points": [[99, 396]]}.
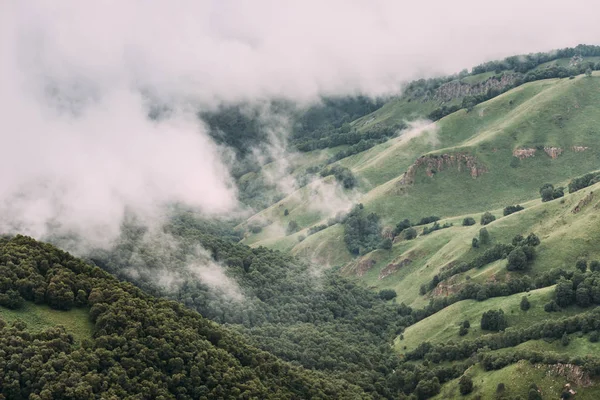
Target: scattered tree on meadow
{"points": [[525, 305], [484, 236], [292, 227], [512, 209], [468, 221], [487, 217], [493, 320], [465, 384], [410, 233]]}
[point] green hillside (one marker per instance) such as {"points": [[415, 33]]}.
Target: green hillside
{"points": [[496, 154]]}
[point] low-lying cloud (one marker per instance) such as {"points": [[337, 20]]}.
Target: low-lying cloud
{"points": [[78, 80]]}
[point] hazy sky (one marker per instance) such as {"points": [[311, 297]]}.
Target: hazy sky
{"points": [[77, 147]]}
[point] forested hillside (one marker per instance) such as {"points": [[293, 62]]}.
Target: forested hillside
{"points": [[140, 346]]}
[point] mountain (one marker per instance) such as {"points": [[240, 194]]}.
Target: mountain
{"points": [[494, 155], [437, 244]]}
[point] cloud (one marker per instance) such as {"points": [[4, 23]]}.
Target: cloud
{"points": [[78, 80], [421, 127]]}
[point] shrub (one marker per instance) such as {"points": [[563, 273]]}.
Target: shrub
{"points": [[484, 236], [386, 244], [292, 227], [401, 226], [428, 220], [581, 264], [486, 218], [387, 294], [465, 385], [475, 243], [517, 260], [512, 209], [594, 337], [468, 221], [565, 339], [551, 306], [594, 265], [525, 305], [410, 233], [286, 212], [463, 331]]}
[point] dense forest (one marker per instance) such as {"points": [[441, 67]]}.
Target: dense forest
{"points": [[142, 347]]}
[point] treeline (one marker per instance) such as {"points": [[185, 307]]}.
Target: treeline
{"points": [[524, 63], [584, 181], [347, 135], [550, 329]]}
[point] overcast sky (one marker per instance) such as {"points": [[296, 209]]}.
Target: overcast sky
{"points": [[77, 147]]}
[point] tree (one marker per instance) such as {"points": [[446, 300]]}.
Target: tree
{"points": [[484, 236], [512, 209], [565, 339], [583, 296], [386, 244], [594, 265], [475, 243], [588, 72], [286, 212], [581, 264], [551, 306], [594, 337], [387, 294], [525, 305], [468, 221], [402, 225], [547, 194], [493, 320], [292, 227], [534, 394], [486, 218], [564, 293], [410, 233], [517, 260], [465, 385]]}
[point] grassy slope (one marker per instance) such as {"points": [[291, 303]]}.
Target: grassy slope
{"points": [[565, 236], [516, 378], [39, 317], [552, 112], [443, 325]]}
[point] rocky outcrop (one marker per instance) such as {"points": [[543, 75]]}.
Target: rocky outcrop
{"points": [[583, 202], [579, 148], [391, 268], [439, 162], [553, 152], [523, 153], [456, 89], [573, 373]]}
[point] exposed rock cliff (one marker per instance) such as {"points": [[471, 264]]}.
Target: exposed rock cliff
{"points": [[456, 89], [391, 268], [439, 162], [524, 153], [553, 152]]}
